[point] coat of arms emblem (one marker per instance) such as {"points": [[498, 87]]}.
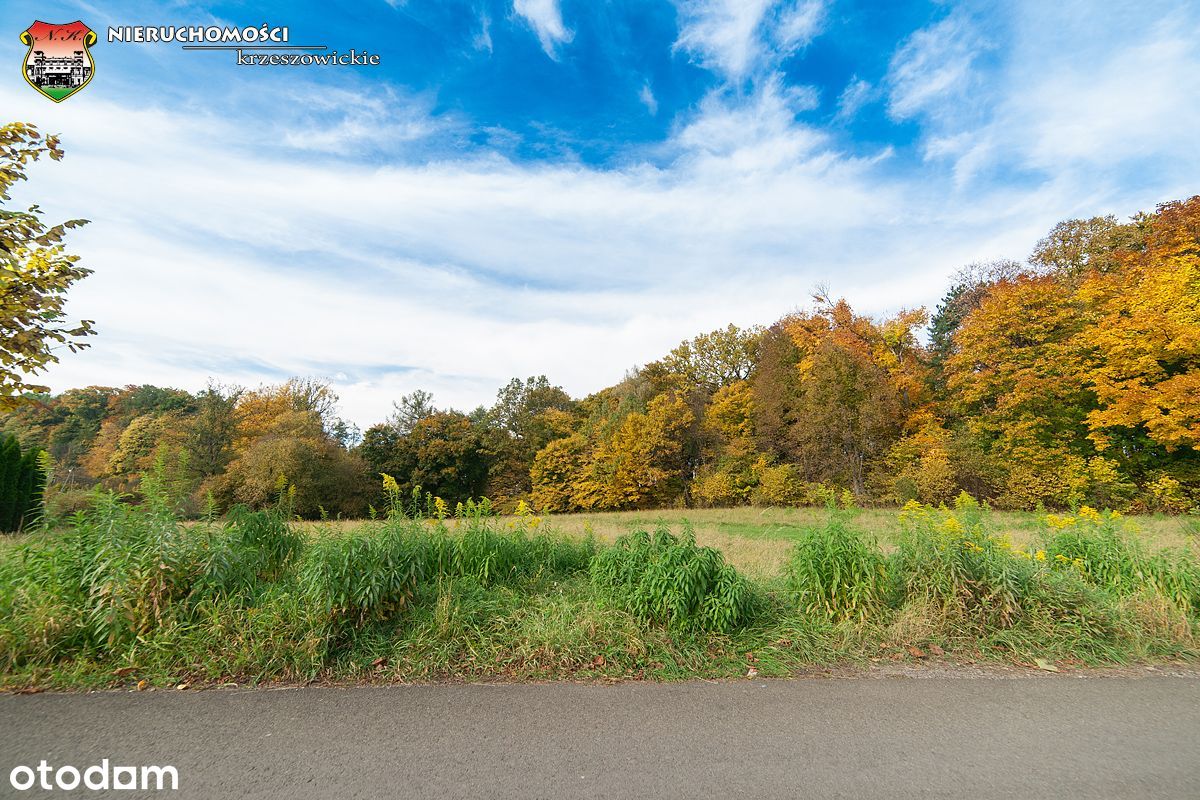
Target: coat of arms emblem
{"points": [[59, 62]]}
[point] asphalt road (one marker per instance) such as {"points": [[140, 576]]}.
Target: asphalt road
{"points": [[1061, 737]]}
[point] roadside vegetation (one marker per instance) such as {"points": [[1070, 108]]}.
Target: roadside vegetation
{"points": [[120, 594]]}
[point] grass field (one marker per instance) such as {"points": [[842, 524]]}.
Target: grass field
{"points": [[758, 540]]}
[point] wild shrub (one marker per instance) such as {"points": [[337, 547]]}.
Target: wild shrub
{"points": [[778, 485], [253, 547], [1104, 550], [129, 567], [949, 558], [668, 579], [835, 570], [1098, 547], [364, 575], [493, 556]]}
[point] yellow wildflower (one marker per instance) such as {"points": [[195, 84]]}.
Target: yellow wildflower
{"points": [[952, 525], [1040, 555]]}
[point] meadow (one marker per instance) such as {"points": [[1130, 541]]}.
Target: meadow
{"points": [[135, 595]]}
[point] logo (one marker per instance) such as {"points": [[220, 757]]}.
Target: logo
{"points": [[58, 63]]}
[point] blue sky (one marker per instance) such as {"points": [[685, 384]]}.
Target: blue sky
{"points": [[571, 188]]}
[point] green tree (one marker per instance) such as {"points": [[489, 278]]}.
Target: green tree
{"points": [[21, 484], [444, 454], [35, 274], [526, 416], [209, 434]]}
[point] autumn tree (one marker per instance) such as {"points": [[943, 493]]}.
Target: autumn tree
{"points": [[636, 462], [707, 362], [1142, 348], [1016, 379], [558, 470], [443, 454], [728, 445], [35, 273], [526, 416], [968, 288], [838, 390], [1076, 247], [295, 451], [209, 434]]}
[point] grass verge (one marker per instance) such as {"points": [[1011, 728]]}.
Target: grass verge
{"points": [[120, 594]]}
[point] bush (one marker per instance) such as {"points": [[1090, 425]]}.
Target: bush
{"points": [[836, 571], [1167, 495], [254, 547], [365, 575], [948, 558], [1103, 550], [717, 488], [668, 579], [779, 485], [490, 556]]}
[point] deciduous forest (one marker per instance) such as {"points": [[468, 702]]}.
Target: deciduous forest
{"points": [[1070, 378]]}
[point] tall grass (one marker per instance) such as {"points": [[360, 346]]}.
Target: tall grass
{"points": [[835, 570], [669, 579], [1104, 550]]}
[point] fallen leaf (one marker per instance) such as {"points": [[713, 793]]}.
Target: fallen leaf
{"points": [[916, 651], [752, 673], [183, 686], [141, 684], [123, 671], [599, 661], [1042, 663], [379, 662], [937, 651]]}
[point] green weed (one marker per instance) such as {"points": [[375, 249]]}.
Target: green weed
{"points": [[669, 579], [836, 571]]}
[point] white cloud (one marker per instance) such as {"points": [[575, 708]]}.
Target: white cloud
{"points": [[1115, 95], [723, 34], [646, 96], [483, 39], [933, 68], [799, 24], [740, 37], [545, 17], [857, 94]]}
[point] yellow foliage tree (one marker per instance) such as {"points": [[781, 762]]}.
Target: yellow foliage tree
{"points": [[1145, 368]]}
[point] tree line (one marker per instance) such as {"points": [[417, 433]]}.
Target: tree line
{"points": [[1072, 377]]}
